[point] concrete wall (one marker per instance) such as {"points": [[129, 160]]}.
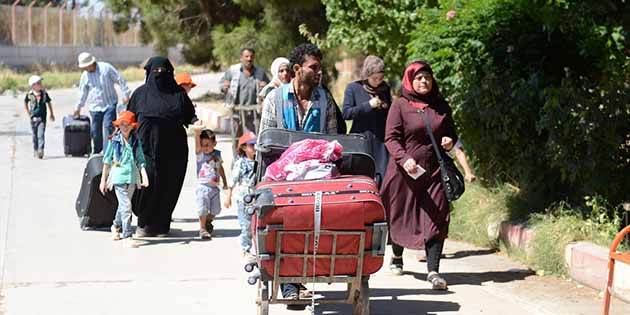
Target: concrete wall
{"points": [[24, 56]]}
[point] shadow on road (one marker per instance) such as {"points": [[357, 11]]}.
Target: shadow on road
{"points": [[472, 278], [467, 253], [194, 220], [394, 301], [55, 157]]}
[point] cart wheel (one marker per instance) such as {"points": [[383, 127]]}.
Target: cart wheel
{"points": [[248, 199], [249, 267], [361, 304], [263, 298], [251, 210]]}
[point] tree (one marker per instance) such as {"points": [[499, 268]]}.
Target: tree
{"points": [[381, 28], [216, 30], [540, 91]]}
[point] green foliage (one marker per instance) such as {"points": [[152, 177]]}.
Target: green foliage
{"points": [[561, 225], [273, 33], [381, 28], [171, 22], [540, 91], [215, 31], [477, 215]]}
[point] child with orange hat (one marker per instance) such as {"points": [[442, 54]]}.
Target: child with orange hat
{"points": [[243, 183], [122, 162], [185, 80]]}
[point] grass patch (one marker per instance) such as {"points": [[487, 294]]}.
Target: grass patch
{"points": [[56, 78], [474, 218], [561, 225]]}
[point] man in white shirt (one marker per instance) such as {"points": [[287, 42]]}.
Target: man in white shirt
{"points": [[97, 91]]}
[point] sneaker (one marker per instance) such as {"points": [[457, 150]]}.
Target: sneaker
{"points": [[115, 233], [396, 266], [204, 235], [437, 281], [129, 242]]}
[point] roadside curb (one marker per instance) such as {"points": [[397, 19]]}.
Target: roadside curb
{"points": [[586, 263]]}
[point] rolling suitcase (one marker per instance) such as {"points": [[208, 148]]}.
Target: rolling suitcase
{"points": [[351, 213], [76, 136], [93, 209], [357, 150]]}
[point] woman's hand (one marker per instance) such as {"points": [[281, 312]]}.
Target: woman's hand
{"points": [[447, 143], [227, 203], [410, 166], [375, 102]]}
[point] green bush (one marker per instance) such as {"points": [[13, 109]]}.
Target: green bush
{"points": [[561, 225], [540, 91], [476, 216]]}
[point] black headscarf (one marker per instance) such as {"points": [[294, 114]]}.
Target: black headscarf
{"points": [[161, 97]]}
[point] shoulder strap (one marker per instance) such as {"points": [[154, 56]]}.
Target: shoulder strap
{"points": [[323, 108], [435, 146], [279, 104]]}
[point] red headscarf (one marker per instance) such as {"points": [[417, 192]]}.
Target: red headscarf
{"points": [[433, 98]]}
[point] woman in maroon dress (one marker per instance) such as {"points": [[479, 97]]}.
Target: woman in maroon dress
{"points": [[417, 209]]}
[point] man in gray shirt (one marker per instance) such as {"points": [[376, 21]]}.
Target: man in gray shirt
{"points": [[241, 85]]}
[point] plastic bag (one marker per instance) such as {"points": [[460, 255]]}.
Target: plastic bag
{"points": [[311, 169], [306, 150]]}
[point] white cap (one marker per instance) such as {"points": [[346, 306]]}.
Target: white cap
{"points": [[85, 59], [34, 79]]}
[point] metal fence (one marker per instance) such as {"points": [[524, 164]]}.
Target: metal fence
{"points": [[58, 26]]}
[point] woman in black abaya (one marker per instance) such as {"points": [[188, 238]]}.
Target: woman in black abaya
{"points": [[163, 109]]}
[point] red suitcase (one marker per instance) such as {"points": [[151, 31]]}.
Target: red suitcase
{"points": [[350, 207]]}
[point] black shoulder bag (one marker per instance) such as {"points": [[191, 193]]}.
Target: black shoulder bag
{"points": [[452, 178]]}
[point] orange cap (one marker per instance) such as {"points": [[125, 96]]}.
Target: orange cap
{"points": [[128, 117], [184, 78], [248, 138]]}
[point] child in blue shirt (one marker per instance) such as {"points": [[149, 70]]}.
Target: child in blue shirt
{"points": [[244, 183], [123, 171]]}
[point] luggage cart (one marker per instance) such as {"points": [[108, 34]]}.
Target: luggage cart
{"points": [[357, 161], [358, 291], [357, 294]]}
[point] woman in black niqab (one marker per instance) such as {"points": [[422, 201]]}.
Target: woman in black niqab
{"points": [[163, 109]]}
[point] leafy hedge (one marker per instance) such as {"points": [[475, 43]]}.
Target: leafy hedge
{"points": [[540, 89]]}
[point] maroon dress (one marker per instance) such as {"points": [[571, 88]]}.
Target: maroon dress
{"points": [[417, 209]]}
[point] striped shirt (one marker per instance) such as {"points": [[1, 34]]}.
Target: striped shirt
{"points": [[269, 120], [97, 88]]}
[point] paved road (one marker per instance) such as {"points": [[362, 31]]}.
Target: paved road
{"points": [[49, 266]]}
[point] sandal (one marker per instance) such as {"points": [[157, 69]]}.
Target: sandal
{"points": [[437, 281], [204, 235]]}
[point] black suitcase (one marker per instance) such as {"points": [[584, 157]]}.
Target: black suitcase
{"points": [[357, 150], [76, 136], [93, 209]]}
